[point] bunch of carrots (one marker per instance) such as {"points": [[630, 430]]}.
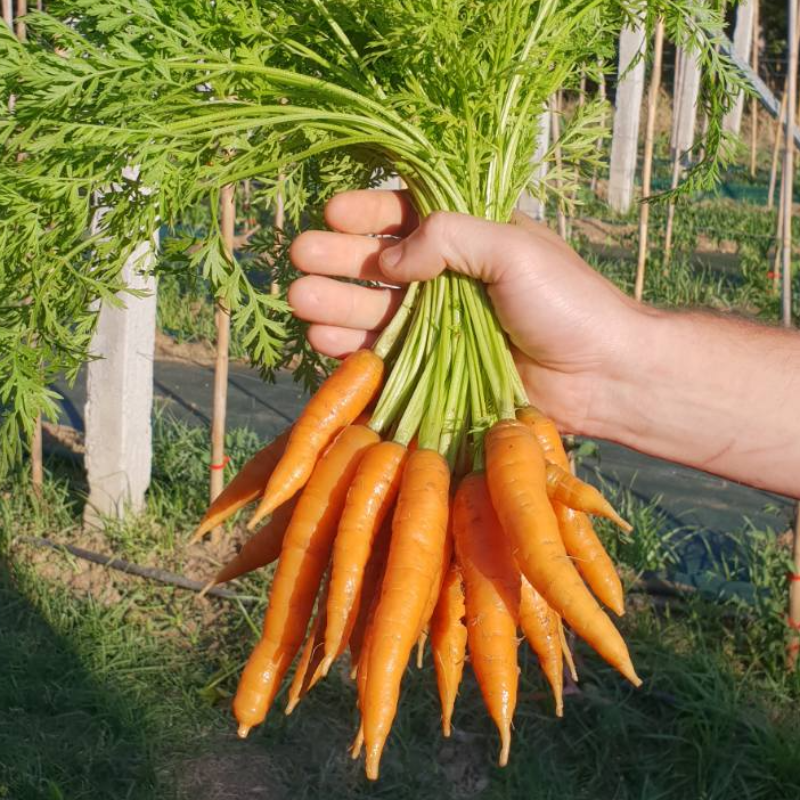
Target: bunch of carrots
{"points": [[396, 539]]}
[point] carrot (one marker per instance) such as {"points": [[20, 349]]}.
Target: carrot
{"points": [[573, 672], [563, 487], [436, 590], [246, 486], [370, 592], [304, 557], [416, 550], [343, 396], [449, 642], [492, 601], [300, 683], [308, 671], [516, 474], [262, 548], [369, 499], [590, 557], [540, 625], [577, 533]]}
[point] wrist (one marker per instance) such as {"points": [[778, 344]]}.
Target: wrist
{"points": [[622, 398]]}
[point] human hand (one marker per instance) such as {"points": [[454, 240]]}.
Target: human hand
{"points": [[571, 330]]}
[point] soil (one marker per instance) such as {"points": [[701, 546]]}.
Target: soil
{"points": [[230, 768]]}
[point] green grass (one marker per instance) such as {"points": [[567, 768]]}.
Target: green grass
{"points": [[131, 699]]}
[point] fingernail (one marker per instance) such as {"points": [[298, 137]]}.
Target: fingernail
{"points": [[391, 257]]}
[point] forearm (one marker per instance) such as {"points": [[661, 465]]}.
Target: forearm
{"points": [[715, 393]]}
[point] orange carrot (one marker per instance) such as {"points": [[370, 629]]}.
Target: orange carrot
{"points": [[573, 672], [247, 485], [577, 533], [436, 590], [304, 557], [590, 557], [540, 624], [369, 499], [419, 530], [343, 396], [302, 676], [516, 474], [563, 487], [449, 642], [492, 599], [370, 592], [262, 548]]}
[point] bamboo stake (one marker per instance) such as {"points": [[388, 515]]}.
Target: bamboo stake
{"points": [[754, 101], [773, 170], [22, 9], [788, 193], [788, 167], [223, 323], [555, 132], [8, 14], [280, 211], [601, 91], [647, 167]]}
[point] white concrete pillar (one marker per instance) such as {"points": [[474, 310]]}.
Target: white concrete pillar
{"points": [[528, 203], [742, 46], [120, 396], [628, 106], [686, 103]]}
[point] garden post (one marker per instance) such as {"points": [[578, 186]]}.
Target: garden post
{"points": [[647, 166], [742, 44], [685, 110], [754, 101], [119, 396], [625, 137], [528, 203], [223, 325]]}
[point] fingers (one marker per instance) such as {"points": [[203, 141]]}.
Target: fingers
{"points": [[374, 211], [338, 342], [474, 247], [344, 305], [339, 254]]}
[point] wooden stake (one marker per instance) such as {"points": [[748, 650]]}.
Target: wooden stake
{"points": [[8, 14], [754, 101], [788, 167], [647, 167], [773, 170], [223, 323], [275, 287], [22, 9], [788, 194], [555, 132]]}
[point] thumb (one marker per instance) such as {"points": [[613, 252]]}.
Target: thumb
{"points": [[446, 240]]}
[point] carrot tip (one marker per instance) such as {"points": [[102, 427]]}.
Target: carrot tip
{"points": [[446, 730], [358, 743], [505, 748], [374, 761], [291, 705], [242, 731], [324, 666], [198, 534], [559, 709], [629, 672]]}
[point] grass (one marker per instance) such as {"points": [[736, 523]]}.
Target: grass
{"points": [[130, 698]]}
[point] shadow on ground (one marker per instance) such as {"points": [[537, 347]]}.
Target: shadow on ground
{"points": [[63, 734]]}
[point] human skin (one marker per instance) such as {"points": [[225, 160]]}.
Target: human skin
{"points": [[713, 392]]}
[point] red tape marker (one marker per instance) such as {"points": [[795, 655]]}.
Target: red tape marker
{"points": [[793, 576], [795, 626], [225, 461]]}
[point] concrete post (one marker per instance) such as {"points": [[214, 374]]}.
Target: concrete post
{"points": [[120, 397], [686, 104], [625, 137], [742, 45], [527, 203]]}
